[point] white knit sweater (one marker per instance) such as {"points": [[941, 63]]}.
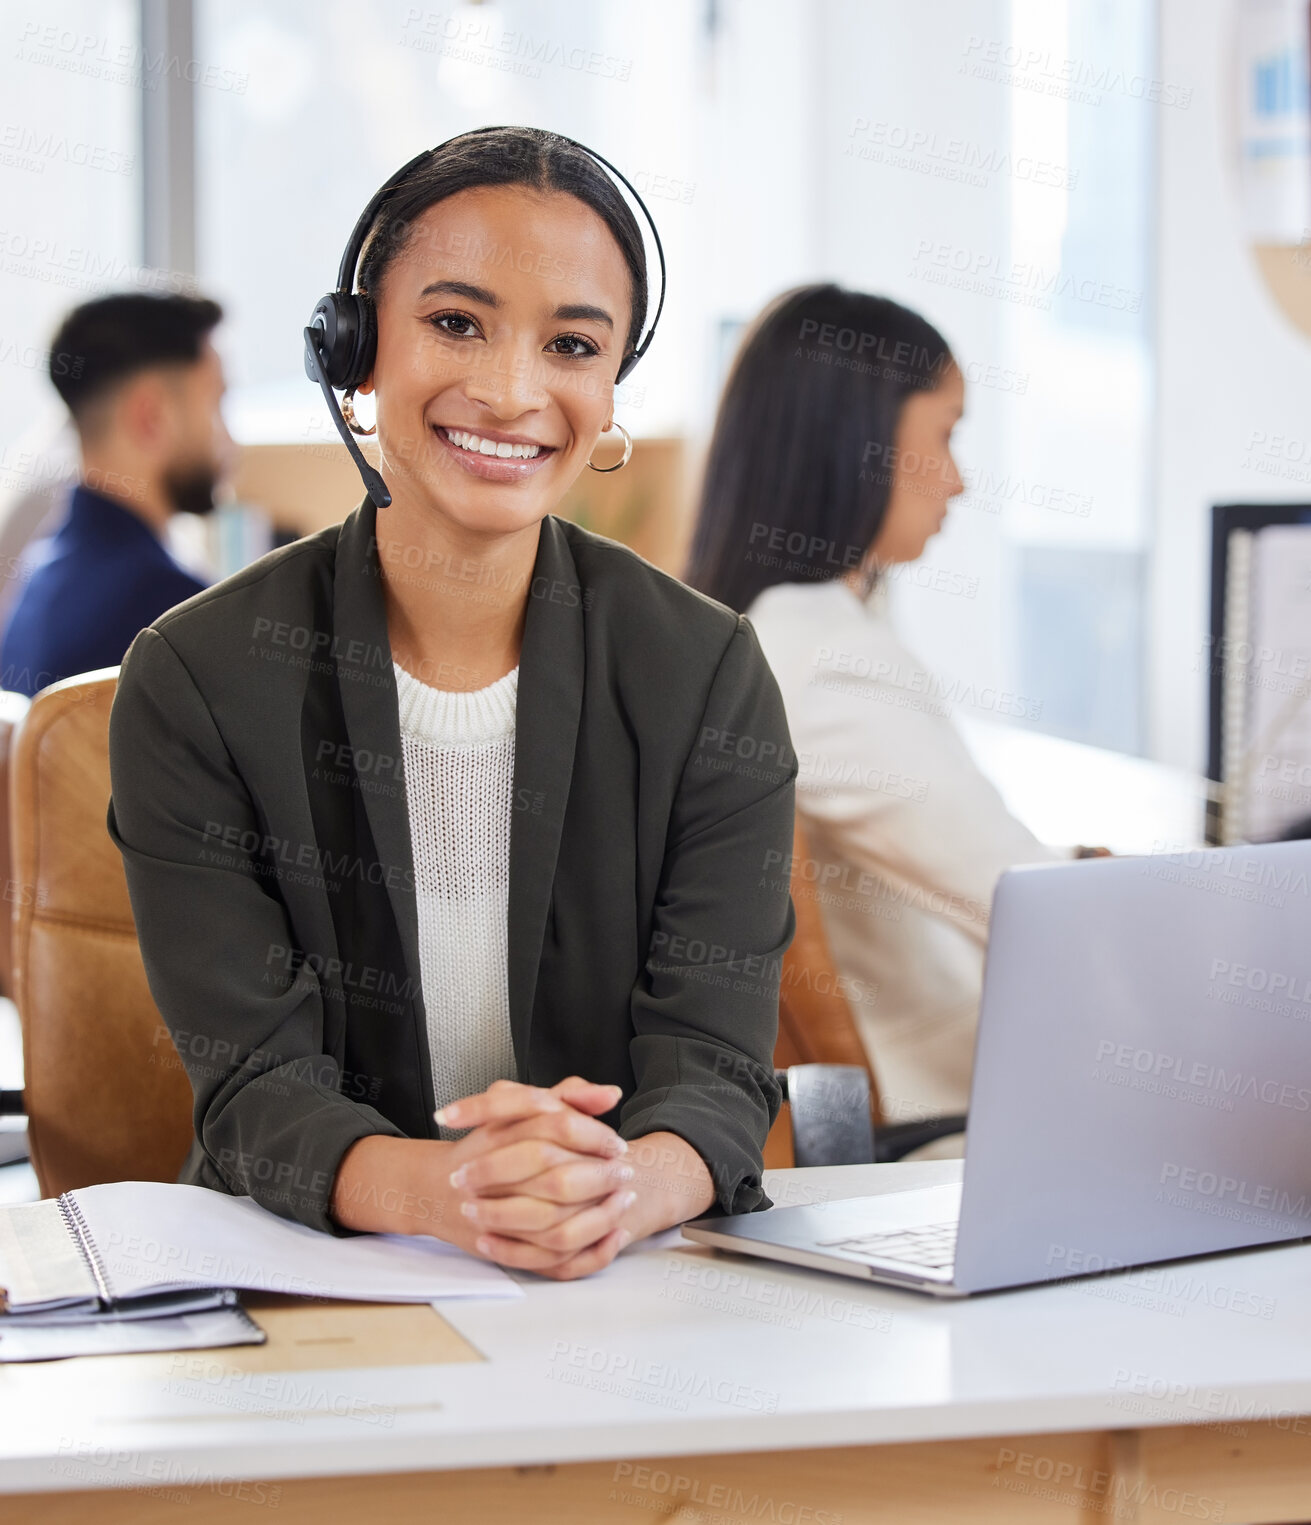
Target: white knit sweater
{"points": [[458, 751]]}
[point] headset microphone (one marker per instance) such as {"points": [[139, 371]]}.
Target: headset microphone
{"points": [[373, 482], [341, 336]]}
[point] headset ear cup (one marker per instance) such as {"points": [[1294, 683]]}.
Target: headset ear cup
{"points": [[349, 338], [336, 317]]}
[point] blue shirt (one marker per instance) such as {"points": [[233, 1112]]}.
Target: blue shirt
{"points": [[98, 580]]}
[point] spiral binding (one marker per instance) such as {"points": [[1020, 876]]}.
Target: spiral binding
{"points": [[75, 1223]]}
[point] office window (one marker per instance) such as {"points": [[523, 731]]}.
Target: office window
{"points": [[1080, 531], [71, 77]]}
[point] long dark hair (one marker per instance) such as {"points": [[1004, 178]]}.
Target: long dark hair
{"points": [[528, 156], [801, 460]]}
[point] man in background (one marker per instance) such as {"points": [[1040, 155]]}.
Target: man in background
{"points": [[144, 394]]}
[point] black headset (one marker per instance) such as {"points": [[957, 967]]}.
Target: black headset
{"points": [[342, 334]]}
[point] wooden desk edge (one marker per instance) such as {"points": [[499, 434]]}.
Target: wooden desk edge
{"points": [[1259, 1473]]}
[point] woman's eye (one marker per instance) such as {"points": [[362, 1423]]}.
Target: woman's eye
{"points": [[458, 324], [578, 345]]}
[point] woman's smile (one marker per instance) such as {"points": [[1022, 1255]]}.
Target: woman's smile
{"points": [[491, 455]]}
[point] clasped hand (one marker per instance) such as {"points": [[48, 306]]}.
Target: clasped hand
{"points": [[540, 1181]]}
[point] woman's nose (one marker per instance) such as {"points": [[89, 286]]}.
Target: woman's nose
{"points": [[509, 382]]}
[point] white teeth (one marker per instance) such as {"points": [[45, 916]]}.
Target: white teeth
{"points": [[506, 451]]}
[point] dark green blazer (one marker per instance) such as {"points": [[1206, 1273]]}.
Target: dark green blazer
{"points": [[259, 805]]}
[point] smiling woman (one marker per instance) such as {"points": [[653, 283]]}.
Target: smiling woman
{"points": [[448, 826]]}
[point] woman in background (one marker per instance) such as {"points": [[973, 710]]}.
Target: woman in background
{"points": [[830, 464]]}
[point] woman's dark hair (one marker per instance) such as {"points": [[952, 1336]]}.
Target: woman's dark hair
{"points": [[528, 156], [801, 461]]}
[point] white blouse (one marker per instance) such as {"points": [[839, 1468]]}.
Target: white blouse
{"points": [[907, 837]]}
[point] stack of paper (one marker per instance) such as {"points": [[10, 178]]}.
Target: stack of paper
{"points": [[144, 1265]]}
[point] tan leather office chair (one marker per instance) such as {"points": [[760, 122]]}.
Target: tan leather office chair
{"points": [[12, 709], [106, 1096], [815, 1025], [822, 1056]]}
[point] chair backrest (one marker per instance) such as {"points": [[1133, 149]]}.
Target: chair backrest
{"points": [[12, 709], [106, 1095], [815, 1025]]}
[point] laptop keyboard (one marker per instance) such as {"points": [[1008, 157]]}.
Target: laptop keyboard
{"points": [[932, 1245]]}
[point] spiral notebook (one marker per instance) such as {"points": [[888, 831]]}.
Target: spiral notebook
{"points": [[139, 1249]]}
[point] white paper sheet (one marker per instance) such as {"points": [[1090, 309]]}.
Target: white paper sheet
{"points": [[154, 1234]]}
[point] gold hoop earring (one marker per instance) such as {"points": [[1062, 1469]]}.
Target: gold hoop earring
{"points": [[628, 450], [348, 413]]}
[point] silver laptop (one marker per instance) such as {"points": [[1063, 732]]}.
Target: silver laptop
{"points": [[1142, 1085]]}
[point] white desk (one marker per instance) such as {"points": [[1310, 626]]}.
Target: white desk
{"points": [[1065, 791], [805, 1389]]}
